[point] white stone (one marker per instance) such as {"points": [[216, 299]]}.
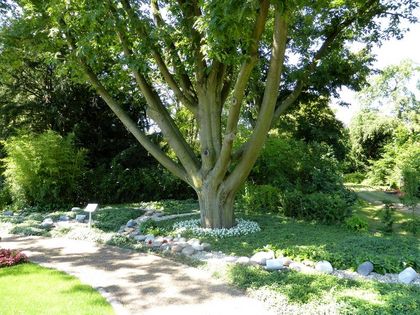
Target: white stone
{"points": [[324, 267], [48, 222], [193, 241], [273, 264], [197, 246], [407, 275], [230, 259], [365, 268], [206, 247], [140, 238], [157, 243], [188, 250], [296, 266], [261, 257], [176, 248], [149, 237], [243, 260], [285, 261]]}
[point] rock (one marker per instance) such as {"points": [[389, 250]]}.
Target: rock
{"points": [[365, 268], [47, 223], [157, 243], [158, 214], [182, 240], [140, 238], [206, 247], [135, 233], [149, 213], [407, 275], [64, 218], [197, 246], [149, 238], [188, 250], [176, 248], [285, 261], [308, 263], [296, 266], [165, 247], [193, 241], [168, 238], [273, 264], [129, 230], [76, 209], [80, 218], [182, 244], [243, 260], [261, 257], [324, 267], [131, 223], [8, 213], [230, 259]]}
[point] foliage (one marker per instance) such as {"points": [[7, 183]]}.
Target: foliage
{"points": [[356, 177], [211, 57], [314, 121], [356, 223], [319, 206], [29, 228], [259, 198], [411, 189], [386, 214], [369, 133], [111, 218], [43, 169], [121, 241], [340, 246], [325, 294], [11, 257], [32, 289]]}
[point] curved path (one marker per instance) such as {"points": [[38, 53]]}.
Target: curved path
{"points": [[137, 283]]}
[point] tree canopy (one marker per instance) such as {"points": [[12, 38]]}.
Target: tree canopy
{"points": [[217, 60]]}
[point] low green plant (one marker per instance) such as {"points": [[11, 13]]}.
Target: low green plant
{"points": [[355, 177], [411, 187], [387, 216], [111, 218], [30, 228], [121, 241], [356, 223]]}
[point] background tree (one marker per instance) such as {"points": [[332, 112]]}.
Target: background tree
{"points": [[207, 56]]}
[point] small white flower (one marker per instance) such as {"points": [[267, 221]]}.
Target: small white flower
{"points": [[242, 227]]}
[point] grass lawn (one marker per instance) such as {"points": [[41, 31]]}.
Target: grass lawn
{"points": [[31, 289]]}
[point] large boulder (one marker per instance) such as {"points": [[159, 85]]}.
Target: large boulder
{"points": [[47, 223], [324, 267], [365, 268], [260, 258], [407, 275]]}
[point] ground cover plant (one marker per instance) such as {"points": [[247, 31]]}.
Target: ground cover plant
{"points": [[298, 293], [30, 289], [11, 257]]}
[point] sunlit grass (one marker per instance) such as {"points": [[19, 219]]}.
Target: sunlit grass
{"points": [[30, 289]]}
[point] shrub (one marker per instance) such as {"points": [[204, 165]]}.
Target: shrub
{"points": [[322, 207], [356, 223], [11, 257], [387, 216], [43, 169], [355, 177], [259, 199]]}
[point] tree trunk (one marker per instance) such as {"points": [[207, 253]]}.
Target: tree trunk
{"points": [[216, 208]]}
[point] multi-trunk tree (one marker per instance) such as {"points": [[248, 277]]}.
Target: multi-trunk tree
{"points": [[217, 59]]}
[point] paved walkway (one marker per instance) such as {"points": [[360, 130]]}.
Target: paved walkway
{"points": [[137, 283]]}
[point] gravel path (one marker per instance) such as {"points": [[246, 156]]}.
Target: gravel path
{"points": [[137, 283]]}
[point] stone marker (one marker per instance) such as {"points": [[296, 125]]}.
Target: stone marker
{"points": [[365, 268], [273, 264], [324, 267], [407, 275]]}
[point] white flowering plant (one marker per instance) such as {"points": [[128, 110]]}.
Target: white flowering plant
{"points": [[242, 227]]}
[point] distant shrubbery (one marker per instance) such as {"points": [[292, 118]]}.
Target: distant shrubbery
{"points": [[299, 180], [43, 169]]}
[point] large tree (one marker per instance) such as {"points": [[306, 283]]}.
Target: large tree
{"points": [[218, 59]]}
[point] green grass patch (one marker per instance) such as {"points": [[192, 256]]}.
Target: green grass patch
{"points": [[352, 297], [343, 248], [30, 289], [373, 194]]}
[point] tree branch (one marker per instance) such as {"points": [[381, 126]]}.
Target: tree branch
{"points": [[222, 163], [241, 171]]}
